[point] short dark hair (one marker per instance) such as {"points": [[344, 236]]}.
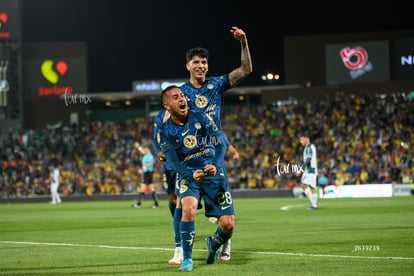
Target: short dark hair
{"points": [[197, 51], [165, 90]]}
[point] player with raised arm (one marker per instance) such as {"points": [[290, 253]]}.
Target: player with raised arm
{"points": [[207, 94]]}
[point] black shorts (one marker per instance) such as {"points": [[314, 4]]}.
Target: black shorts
{"points": [[148, 178]]}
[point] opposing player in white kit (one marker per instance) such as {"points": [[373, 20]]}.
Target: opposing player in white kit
{"points": [[54, 183], [310, 171]]}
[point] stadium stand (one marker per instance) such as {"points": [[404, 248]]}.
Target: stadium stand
{"points": [[361, 139]]}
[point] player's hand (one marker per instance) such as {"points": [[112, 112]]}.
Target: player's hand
{"points": [[210, 170], [236, 155], [161, 156], [238, 34], [198, 175]]}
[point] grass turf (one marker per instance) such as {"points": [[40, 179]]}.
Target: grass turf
{"points": [[276, 236]]}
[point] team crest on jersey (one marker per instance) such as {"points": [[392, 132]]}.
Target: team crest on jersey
{"points": [[201, 101], [183, 186], [210, 86], [190, 141]]}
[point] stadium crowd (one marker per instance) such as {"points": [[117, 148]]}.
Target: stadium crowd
{"points": [[361, 139]]}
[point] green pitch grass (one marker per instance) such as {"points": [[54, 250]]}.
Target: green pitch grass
{"points": [[273, 236]]}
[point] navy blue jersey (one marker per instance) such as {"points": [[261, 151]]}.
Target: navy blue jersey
{"points": [[209, 98], [158, 121], [191, 146]]}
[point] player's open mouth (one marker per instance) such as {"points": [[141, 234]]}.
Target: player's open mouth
{"points": [[183, 106]]}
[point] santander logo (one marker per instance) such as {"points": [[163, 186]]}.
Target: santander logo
{"points": [[53, 72]]}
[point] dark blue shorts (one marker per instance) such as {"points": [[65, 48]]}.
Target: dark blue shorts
{"points": [[169, 180], [216, 193]]}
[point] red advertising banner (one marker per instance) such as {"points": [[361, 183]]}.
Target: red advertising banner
{"points": [[357, 62]]}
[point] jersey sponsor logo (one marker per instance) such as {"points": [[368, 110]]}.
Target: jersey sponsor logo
{"points": [[190, 141], [185, 132], [225, 207], [199, 152], [201, 101]]}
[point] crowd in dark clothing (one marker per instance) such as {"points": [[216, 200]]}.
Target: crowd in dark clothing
{"points": [[359, 140]]}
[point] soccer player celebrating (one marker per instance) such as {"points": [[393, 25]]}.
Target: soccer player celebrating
{"points": [[169, 182], [187, 140], [207, 95]]}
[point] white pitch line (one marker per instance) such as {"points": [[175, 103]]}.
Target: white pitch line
{"points": [[287, 207], [244, 252]]}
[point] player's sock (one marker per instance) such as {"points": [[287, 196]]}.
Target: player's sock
{"points": [[220, 238], [314, 200], [307, 192], [178, 213], [155, 198], [171, 206], [187, 238], [140, 197]]}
